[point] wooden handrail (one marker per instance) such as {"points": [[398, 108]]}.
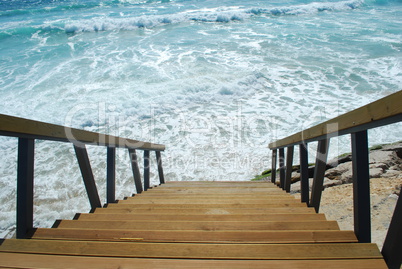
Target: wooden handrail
{"points": [[384, 111], [19, 127], [27, 131]]}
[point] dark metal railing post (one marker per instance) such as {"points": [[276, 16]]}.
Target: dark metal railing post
{"points": [[289, 167], [361, 186], [273, 168], [111, 175], [136, 170], [25, 186], [319, 172], [146, 169], [160, 168], [282, 168], [304, 178], [87, 175], [393, 241]]}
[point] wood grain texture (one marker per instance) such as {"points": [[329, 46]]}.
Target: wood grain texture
{"points": [[201, 225], [204, 217], [195, 210], [16, 260], [194, 251], [243, 236], [171, 195], [205, 206], [220, 201], [15, 126]]}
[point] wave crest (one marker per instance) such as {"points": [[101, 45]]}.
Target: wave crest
{"points": [[307, 9], [212, 15]]}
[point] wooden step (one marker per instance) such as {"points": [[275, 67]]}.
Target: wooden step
{"points": [[235, 186], [171, 195], [194, 201], [255, 195], [200, 225], [203, 217], [203, 206], [193, 250], [218, 184], [128, 209], [244, 236], [35, 261], [223, 189], [207, 187], [195, 225]]}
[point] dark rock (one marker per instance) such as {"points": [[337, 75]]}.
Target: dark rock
{"points": [[376, 172], [337, 161], [398, 152]]}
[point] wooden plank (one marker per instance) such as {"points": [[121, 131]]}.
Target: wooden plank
{"points": [[201, 225], [214, 184], [220, 196], [204, 217], [233, 196], [239, 196], [16, 260], [194, 251], [217, 187], [163, 211], [189, 236], [212, 192], [153, 195], [14, 126], [180, 201], [387, 107], [216, 190], [203, 206], [169, 186], [219, 183]]}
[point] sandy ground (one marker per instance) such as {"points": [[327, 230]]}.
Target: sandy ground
{"points": [[337, 204]]}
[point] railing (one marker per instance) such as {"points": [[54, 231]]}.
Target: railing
{"points": [[356, 123], [27, 131]]}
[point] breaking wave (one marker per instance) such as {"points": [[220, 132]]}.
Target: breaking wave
{"points": [[132, 22], [219, 15]]}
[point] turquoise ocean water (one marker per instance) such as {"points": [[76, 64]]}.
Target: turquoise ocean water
{"points": [[215, 81]]}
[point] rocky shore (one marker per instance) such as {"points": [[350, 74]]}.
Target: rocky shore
{"points": [[385, 163]]}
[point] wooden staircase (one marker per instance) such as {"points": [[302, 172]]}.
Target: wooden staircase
{"points": [[195, 225]]}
